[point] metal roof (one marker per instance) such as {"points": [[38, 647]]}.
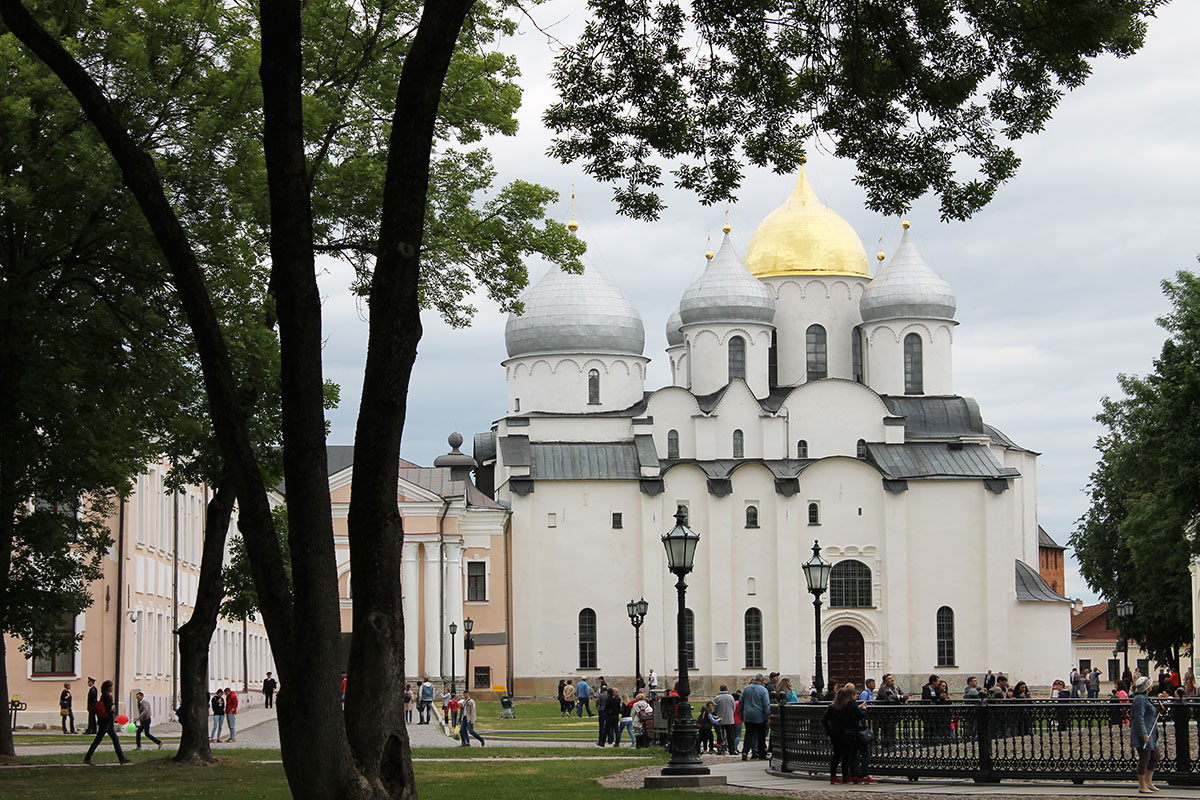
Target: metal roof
{"points": [[937, 417], [578, 461], [725, 467], [484, 447], [936, 460], [1001, 438], [515, 450], [1032, 588], [726, 292], [907, 287], [1044, 540]]}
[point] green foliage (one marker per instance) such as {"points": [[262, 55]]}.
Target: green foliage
{"points": [[916, 92], [1139, 535], [241, 599]]}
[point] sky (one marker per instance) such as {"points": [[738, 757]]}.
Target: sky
{"points": [[1057, 280]]}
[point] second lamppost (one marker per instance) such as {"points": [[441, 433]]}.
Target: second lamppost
{"points": [[1124, 614], [453, 630], [680, 543], [816, 575], [468, 646], [637, 615]]}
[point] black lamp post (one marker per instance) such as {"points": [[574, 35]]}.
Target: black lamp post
{"points": [[637, 615], [816, 574], [1124, 614], [453, 630], [680, 543], [468, 646]]}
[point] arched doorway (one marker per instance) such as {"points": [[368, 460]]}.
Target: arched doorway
{"points": [[847, 661]]}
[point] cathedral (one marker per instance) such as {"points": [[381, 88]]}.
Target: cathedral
{"points": [[810, 402]]}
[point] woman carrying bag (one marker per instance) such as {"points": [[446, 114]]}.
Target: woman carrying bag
{"points": [[1143, 735]]}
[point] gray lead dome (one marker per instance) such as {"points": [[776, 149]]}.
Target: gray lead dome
{"points": [[567, 313], [726, 292], [907, 288], [674, 329]]}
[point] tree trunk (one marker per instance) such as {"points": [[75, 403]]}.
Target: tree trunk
{"points": [[6, 543], [196, 634], [374, 702]]}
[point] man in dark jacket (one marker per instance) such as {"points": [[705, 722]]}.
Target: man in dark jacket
{"points": [[269, 691], [93, 696], [930, 690], [608, 704]]}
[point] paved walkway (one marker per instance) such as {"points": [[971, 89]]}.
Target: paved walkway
{"points": [[751, 775]]}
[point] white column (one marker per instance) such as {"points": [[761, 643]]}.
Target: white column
{"points": [[454, 606], [411, 587], [432, 612]]}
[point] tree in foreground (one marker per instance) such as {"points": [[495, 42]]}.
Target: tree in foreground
{"points": [[1138, 536], [904, 89]]}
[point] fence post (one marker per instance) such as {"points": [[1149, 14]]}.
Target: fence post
{"points": [[783, 738], [983, 740], [1180, 714]]}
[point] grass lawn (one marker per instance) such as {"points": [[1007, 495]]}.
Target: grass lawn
{"points": [[534, 715], [237, 778]]}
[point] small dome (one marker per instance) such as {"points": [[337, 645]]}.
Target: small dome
{"points": [[455, 458], [907, 287], [575, 313], [674, 329], [805, 237], [726, 292]]}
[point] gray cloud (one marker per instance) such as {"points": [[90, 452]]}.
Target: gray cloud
{"points": [[1057, 280]]}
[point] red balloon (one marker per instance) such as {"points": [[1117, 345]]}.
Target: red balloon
{"points": [[122, 719]]}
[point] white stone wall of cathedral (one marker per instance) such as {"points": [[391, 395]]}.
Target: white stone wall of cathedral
{"points": [[859, 415], [560, 383], [802, 301], [885, 355], [941, 543], [708, 346], [677, 358]]}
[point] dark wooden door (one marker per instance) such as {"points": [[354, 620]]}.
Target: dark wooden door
{"points": [[847, 661]]}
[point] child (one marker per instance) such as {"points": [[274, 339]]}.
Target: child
{"points": [[453, 705], [708, 722]]}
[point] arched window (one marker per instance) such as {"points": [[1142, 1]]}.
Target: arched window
{"points": [[754, 639], [850, 585], [751, 586], [818, 362], [856, 354], [739, 444], [814, 514], [737, 358], [914, 380], [672, 443], [594, 387], [802, 448], [945, 637], [751, 516], [689, 636], [860, 449], [587, 639]]}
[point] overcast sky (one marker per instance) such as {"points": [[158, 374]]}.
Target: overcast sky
{"points": [[1057, 280]]}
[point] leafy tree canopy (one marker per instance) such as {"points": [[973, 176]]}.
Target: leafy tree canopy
{"points": [[915, 92], [1139, 535]]}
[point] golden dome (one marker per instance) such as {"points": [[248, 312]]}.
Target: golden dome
{"points": [[804, 237]]}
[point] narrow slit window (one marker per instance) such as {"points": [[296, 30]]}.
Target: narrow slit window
{"points": [[672, 444], [594, 387], [818, 360], [914, 378], [802, 448], [739, 444], [737, 358]]}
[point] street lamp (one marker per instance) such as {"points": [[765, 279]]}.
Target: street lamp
{"points": [[453, 630], [637, 615], [680, 543], [468, 646], [1124, 614], [816, 574]]}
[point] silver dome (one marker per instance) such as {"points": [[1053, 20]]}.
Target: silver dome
{"points": [[569, 313], [726, 292], [674, 329], [907, 287]]}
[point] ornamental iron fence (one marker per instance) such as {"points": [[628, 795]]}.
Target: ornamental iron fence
{"points": [[989, 741]]}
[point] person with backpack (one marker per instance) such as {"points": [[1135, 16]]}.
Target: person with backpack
{"points": [[218, 715], [425, 706], [143, 722], [231, 706], [641, 714], [105, 711]]}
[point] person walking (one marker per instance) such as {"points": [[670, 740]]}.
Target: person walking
{"points": [[453, 706], [562, 703], [468, 721], [269, 686], [410, 702], [602, 718], [64, 708], [614, 717], [93, 698], [642, 713], [425, 706], [756, 713], [1143, 735], [583, 693], [569, 698], [143, 722], [1093, 684], [231, 707], [218, 715], [626, 723], [105, 710], [724, 706]]}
